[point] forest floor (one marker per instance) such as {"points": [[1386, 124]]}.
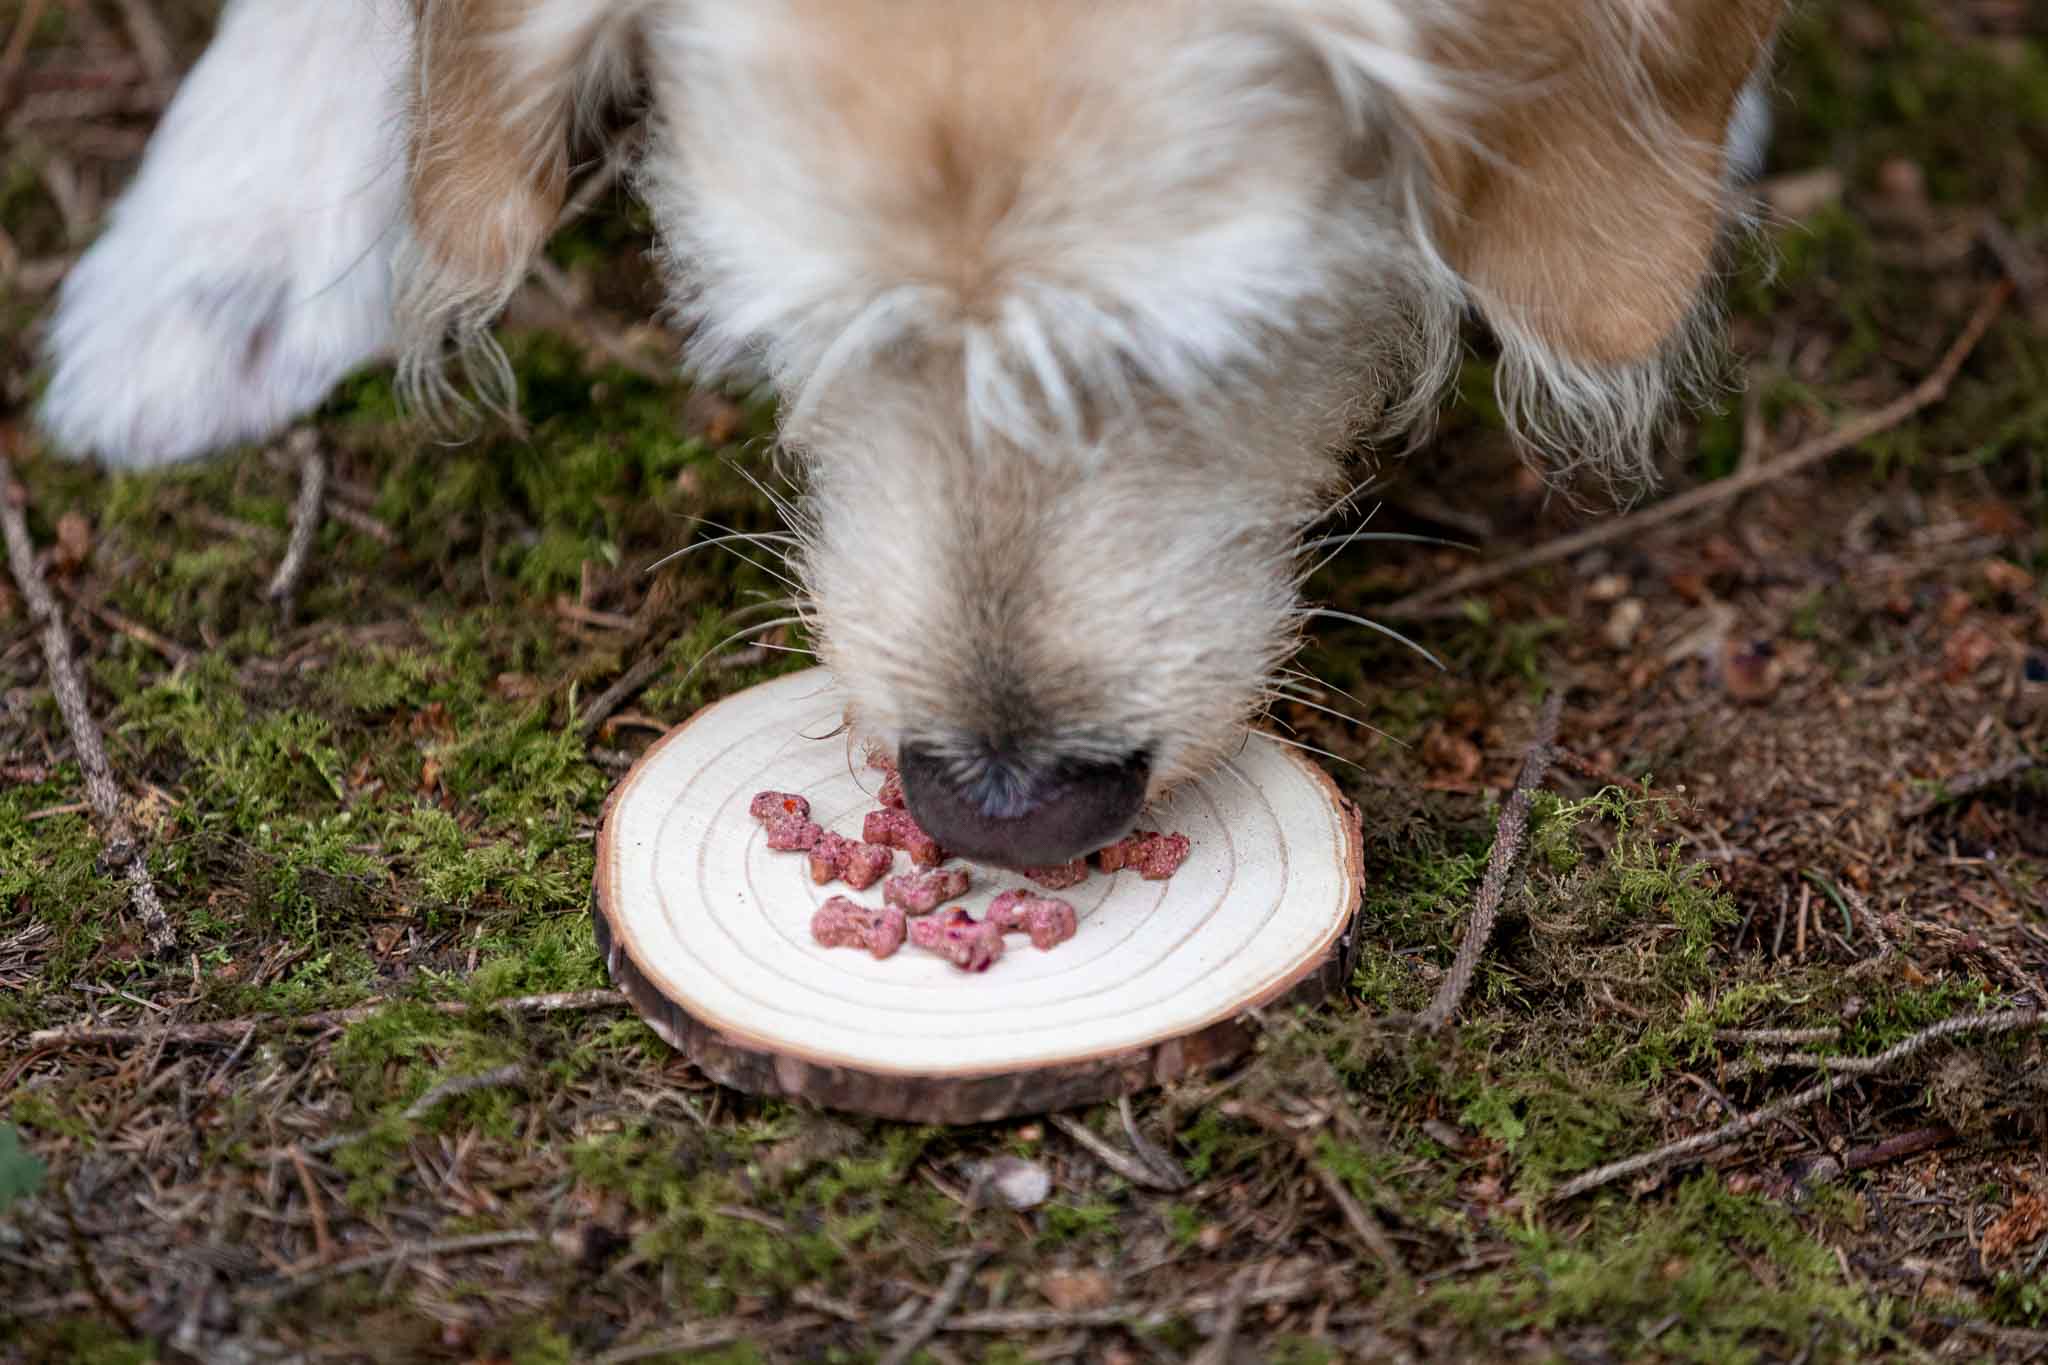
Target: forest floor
{"points": [[378, 1104]]}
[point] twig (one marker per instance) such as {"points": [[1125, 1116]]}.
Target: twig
{"points": [[123, 853], [1134, 1169], [1217, 1350], [17, 48], [1955, 788], [1507, 852], [622, 691], [481, 1241], [705, 1337], [1356, 1214], [1138, 1314], [463, 1085], [284, 587], [1779, 1036], [1995, 1022], [357, 519], [1147, 1150], [323, 1243], [928, 1322], [232, 1030], [1926, 393], [176, 654]]}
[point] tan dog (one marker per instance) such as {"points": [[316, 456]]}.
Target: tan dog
{"points": [[1073, 305]]}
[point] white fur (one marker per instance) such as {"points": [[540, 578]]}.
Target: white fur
{"points": [[246, 270], [1074, 305]]}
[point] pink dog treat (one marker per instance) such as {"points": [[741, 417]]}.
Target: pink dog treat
{"points": [[920, 893], [843, 923], [1048, 921], [878, 759], [859, 865], [1153, 856], [767, 806], [971, 945], [1059, 877], [897, 829], [792, 833], [891, 794]]}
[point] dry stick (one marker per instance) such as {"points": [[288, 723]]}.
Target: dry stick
{"points": [[481, 1241], [1507, 852], [928, 1322], [1958, 787], [1022, 1320], [1132, 1168], [17, 48], [122, 851], [620, 692], [1218, 1349], [1356, 1214], [1782, 1036], [1926, 393], [1995, 1022], [284, 587], [232, 1030]]}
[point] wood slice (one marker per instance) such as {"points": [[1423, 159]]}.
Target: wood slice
{"points": [[707, 930]]}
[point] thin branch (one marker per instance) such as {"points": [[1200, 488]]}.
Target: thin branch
{"points": [[1132, 1168], [1995, 1022], [123, 853], [928, 1322], [1955, 788], [1925, 394], [1507, 853], [284, 587], [232, 1030], [1021, 1320]]}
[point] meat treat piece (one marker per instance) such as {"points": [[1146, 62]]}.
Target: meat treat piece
{"points": [[898, 829], [768, 806], [920, 893], [1047, 920], [858, 864], [843, 923], [1151, 855], [970, 944], [792, 834], [878, 759], [891, 794], [1060, 877]]}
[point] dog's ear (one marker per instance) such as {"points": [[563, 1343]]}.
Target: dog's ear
{"points": [[1582, 204], [1571, 171], [499, 87]]}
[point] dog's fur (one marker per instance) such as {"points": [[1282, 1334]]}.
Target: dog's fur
{"points": [[1073, 305]]}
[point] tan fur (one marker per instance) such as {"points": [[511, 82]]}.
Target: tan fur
{"points": [[488, 173], [1588, 212]]}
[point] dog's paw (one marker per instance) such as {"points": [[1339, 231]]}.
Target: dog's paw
{"points": [[247, 269]]}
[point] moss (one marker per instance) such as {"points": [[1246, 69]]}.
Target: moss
{"points": [[1704, 1276]]}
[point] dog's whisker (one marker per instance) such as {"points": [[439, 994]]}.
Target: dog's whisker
{"points": [[761, 629], [764, 539], [1313, 681], [1296, 698], [1372, 483], [1408, 537], [791, 514], [1310, 748], [1387, 631]]}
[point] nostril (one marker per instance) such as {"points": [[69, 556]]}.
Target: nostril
{"points": [[1004, 813]]}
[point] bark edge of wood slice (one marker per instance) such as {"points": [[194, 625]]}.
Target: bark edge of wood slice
{"points": [[707, 933]]}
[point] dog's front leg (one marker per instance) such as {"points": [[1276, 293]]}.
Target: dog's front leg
{"points": [[247, 269]]}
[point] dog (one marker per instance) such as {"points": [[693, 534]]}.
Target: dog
{"points": [[1074, 307]]}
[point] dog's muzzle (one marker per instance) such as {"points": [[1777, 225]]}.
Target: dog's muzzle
{"points": [[997, 811]]}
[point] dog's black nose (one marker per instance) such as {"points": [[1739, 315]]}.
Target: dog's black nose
{"points": [[997, 810]]}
